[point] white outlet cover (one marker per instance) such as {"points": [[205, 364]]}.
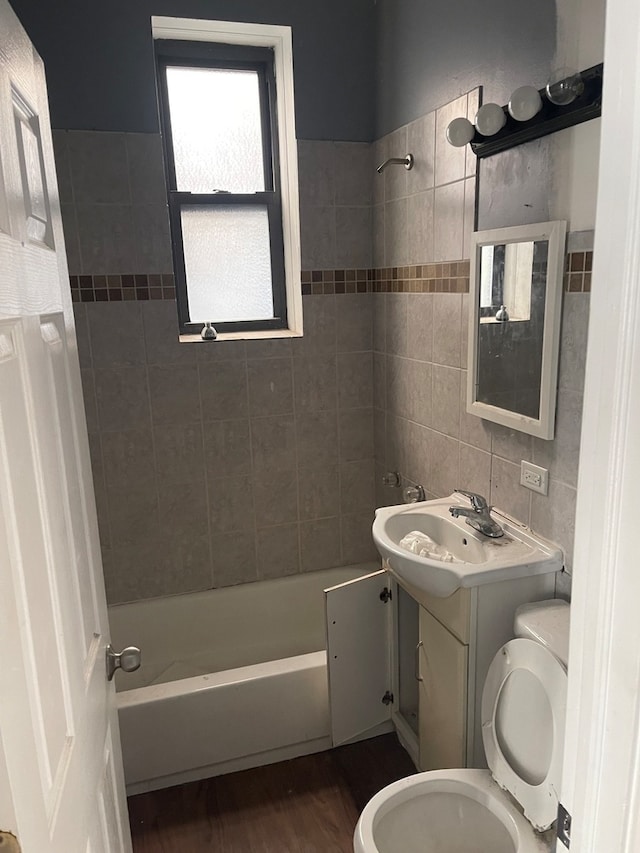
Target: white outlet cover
{"points": [[534, 477]]}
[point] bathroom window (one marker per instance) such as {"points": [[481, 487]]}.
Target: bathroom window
{"points": [[219, 119]]}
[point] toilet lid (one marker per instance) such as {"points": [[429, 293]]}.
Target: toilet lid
{"points": [[523, 715]]}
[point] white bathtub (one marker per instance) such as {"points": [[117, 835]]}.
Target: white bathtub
{"points": [[230, 679]]}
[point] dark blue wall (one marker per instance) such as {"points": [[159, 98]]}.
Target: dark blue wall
{"points": [[100, 70], [431, 51]]}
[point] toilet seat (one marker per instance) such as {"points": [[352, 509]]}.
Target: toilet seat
{"points": [[418, 790], [525, 684]]}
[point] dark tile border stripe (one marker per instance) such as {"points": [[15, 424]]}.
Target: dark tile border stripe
{"points": [[447, 277], [121, 288], [577, 272]]}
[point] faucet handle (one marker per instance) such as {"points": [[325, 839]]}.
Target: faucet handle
{"points": [[478, 502]]}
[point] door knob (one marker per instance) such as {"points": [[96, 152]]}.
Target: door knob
{"points": [[128, 660]]}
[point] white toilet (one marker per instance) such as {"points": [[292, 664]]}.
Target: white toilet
{"points": [[511, 807]]}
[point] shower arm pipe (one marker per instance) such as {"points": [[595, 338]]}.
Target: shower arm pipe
{"points": [[406, 161]]}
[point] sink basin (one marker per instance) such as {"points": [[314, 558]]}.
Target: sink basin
{"points": [[467, 557]]}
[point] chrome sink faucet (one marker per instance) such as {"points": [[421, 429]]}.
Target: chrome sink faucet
{"points": [[478, 515]]}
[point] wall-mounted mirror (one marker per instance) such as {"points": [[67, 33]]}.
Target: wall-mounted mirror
{"points": [[514, 325]]}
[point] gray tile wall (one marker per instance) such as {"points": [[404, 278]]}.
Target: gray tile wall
{"points": [[113, 203], [423, 431], [421, 427], [224, 464], [425, 214], [227, 463]]}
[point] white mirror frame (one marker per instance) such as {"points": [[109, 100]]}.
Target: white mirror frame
{"points": [[555, 233]]}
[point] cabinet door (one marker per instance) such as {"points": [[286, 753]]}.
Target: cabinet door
{"points": [[443, 696], [358, 617]]}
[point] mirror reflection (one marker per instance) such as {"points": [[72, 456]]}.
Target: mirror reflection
{"points": [[512, 297]]}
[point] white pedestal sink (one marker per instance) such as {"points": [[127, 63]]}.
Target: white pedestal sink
{"points": [[475, 559]]}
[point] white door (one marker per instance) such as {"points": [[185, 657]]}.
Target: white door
{"points": [[358, 620], [61, 783]]}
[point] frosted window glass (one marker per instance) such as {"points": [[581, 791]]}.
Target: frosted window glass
{"points": [[228, 262], [216, 129]]}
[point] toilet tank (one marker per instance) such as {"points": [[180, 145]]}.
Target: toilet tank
{"points": [[546, 622]]}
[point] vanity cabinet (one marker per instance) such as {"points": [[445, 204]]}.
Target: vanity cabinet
{"points": [[401, 659]]}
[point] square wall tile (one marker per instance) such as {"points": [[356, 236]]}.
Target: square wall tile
{"points": [[553, 516], [317, 173], [380, 154], [356, 434], [179, 454], [319, 492], [506, 492], [447, 328], [420, 225], [475, 470], [146, 169], [117, 338], [224, 390], [227, 448], [106, 238], [71, 241], [98, 165], [396, 305], [276, 497], [63, 167], [315, 383], [270, 386], [353, 238], [233, 558], [396, 240], [317, 439], [420, 326], [421, 140], [273, 443], [278, 551], [318, 237], [354, 322], [355, 380], [231, 504], [357, 486], [470, 194], [395, 175], [123, 398], [450, 161], [445, 412], [152, 239], [353, 165], [174, 394], [445, 464], [320, 324], [127, 456], [161, 335], [320, 544], [357, 541], [448, 237]]}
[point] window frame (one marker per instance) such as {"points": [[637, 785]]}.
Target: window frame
{"points": [[283, 159]]}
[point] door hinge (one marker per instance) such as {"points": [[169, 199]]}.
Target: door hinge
{"points": [[387, 699], [563, 826], [386, 595]]}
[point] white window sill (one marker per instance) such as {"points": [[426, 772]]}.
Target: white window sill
{"points": [[267, 334]]}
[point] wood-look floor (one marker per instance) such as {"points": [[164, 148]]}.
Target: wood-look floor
{"points": [[307, 805]]}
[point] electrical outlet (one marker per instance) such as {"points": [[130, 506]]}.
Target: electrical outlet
{"points": [[533, 477]]}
